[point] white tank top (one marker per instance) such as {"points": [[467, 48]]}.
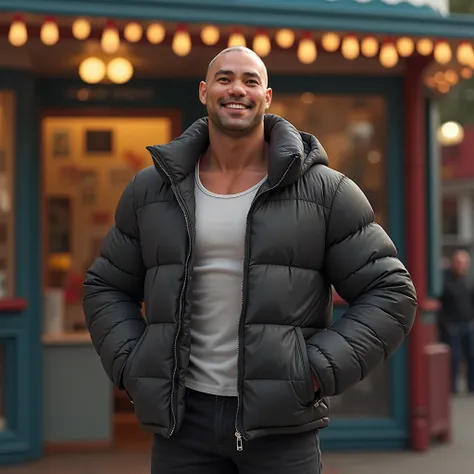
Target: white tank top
{"points": [[217, 288]]}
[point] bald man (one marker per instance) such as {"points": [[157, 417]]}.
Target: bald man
{"points": [[233, 239]]}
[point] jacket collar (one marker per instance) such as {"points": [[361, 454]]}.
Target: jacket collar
{"points": [[291, 153]]}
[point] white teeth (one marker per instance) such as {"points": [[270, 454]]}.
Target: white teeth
{"points": [[235, 106]]}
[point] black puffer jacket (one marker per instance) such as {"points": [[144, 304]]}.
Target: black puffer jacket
{"points": [[309, 227]]}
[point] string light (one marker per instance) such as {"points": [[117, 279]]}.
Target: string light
{"points": [[307, 52], [155, 33], [18, 34], [285, 38], [237, 39], [388, 55], [369, 46], [261, 44], [330, 42], [181, 41], [49, 33], [110, 41], [81, 29], [210, 35], [350, 47], [442, 52], [133, 32]]}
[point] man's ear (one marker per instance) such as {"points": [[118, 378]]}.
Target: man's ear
{"points": [[203, 92]]}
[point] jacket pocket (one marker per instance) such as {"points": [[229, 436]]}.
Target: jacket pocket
{"points": [[303, 351], [129, 363]]}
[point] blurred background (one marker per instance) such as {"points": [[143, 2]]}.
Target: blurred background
{"points": [[386, 85]]}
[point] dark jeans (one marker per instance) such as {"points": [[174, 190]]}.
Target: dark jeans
{"points": [[460, 338], [206, 444]]}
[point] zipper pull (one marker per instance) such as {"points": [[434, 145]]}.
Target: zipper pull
{"points": [[240, 442]]}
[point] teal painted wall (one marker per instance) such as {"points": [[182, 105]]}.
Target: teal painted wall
{"points": [[23, 439]]}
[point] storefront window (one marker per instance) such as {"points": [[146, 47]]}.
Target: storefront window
{"points": [[3, 364], [87, 162], [353, 131], [7, 222]]}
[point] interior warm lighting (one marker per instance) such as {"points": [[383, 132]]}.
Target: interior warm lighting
{"points": [[181, 42], [81, 29], [133, 32], [120, 70], [307, 52], [262, 45], [465, 53], [18, 34], [210, 35], [49, 33], [110, 41], [466, 73], [155, 33], [330, 42], [405, 46], [92, 70], [451, 76], [369, 46], [450, 133], [444, 88], [424, 46], [442, 52], [350, 48], [236, 39], [388, 55], [285, 38]]}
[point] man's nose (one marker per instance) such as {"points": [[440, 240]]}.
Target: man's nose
{"points": [[237, 90]]}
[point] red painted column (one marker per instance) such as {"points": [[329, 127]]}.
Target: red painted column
{"points": [[416, 238]]}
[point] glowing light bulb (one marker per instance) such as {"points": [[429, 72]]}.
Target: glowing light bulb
{"points": [[81, 29], [405, 46], [442, 52], [237, 39], [388, 55], [133, 32], [424, 46], [331, 42], [110, 41], [307, 52], [262, 45], [155, 33], [210, 35], [369, 46], [18, 34], [92, 70], [49, 33], [285, 38], [119, 70], [350, 48], [181, 42]]}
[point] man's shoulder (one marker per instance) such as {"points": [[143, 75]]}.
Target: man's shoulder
{"points": [[149, 184], [321, 183]]}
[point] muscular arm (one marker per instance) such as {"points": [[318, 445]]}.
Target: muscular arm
{"points": [[361, 263]]}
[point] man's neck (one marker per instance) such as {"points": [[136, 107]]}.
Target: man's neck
{"points": [[229, 154]]}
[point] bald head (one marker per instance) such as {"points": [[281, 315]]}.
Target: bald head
{"points": [[241, 49]]}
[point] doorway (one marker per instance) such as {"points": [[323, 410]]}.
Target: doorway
{"points": [[88, 157]]}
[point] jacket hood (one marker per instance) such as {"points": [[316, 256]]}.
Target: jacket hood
{"points": [[291, 153]]}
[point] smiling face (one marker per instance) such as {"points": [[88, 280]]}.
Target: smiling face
{"points": [[236, 91]]}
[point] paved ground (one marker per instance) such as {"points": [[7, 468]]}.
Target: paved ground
{"points": [[457, 458]]}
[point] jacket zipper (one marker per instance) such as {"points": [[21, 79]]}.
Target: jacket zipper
{"points": [[238, 430], [183, 289]]}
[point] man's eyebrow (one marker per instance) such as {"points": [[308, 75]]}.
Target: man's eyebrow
{"points": [[227, 72]]}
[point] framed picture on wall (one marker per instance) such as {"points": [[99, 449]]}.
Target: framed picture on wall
{"points": [[98, 142], [61, 144], [59, 220], [89, 186]]}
